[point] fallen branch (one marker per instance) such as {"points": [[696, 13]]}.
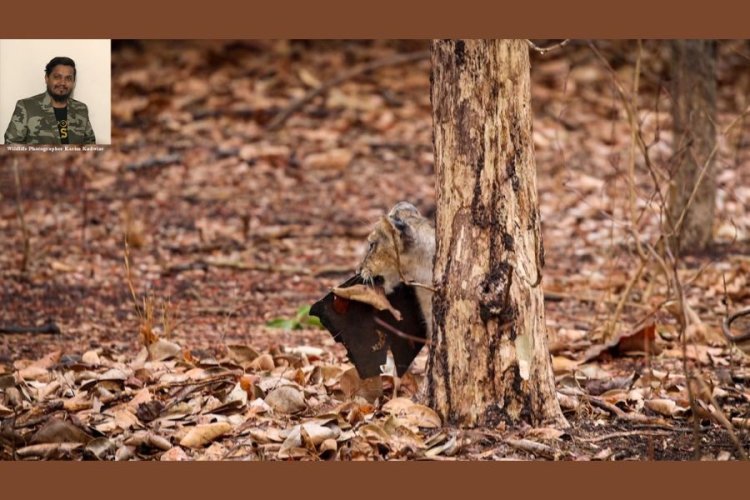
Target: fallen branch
{"points": [[631, 417], [48, 450], [222, 378], [534, 448], [189, 266], [615, 435], [298, 104], [48, 328]]}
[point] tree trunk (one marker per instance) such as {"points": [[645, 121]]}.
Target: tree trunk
{"points": [[694, 115], [489, 360]]}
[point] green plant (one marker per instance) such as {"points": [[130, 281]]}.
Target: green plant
{"points": [[301, 320]]}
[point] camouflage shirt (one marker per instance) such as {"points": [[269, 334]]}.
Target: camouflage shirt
{"points": [[34, 122]]}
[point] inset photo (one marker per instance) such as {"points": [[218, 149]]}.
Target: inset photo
{"points": [[55, 92]]}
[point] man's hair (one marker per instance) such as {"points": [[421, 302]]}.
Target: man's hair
{"points": [[57, 61]]}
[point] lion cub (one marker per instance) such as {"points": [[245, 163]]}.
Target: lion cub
{"points": [[401, 248]]}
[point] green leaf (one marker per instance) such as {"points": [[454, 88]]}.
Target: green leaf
{"points": [[284, 323], [313, 321], [302, 319], [303, 311]]}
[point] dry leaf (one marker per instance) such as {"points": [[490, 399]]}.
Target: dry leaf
{"points": [[374, 433], [699, 353], [163, 349], [335, 159], [263, 363], [352, 386], [375, 296], [449, 449], [148, 440], [201, 435], [7, 380], [175, 454], [141, 397], [311, 433], [91, 358], [561, 364], [666, 407], [125, 419], [308, 78], [77, 403], [100, 448], [570, 403], [48, 450], [34, 373], [60, 431], [286, 399], [5, 411], [547, 433], [413, 413], [723, 456], [310, 351], [49, 360], [124, 453], [328, 449], [641, 340], [61, 267], [533, 447], [242, 354]]}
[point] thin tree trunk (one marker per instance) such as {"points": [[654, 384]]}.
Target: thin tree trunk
{"points": [[694, 115], [489, 360]]}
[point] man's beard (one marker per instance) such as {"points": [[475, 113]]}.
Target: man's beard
{"points": [[58, 97]]}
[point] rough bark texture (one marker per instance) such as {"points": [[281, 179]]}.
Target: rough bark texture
{"points": [[489, 360], [694, 115]]}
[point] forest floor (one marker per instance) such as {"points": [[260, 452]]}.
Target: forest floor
{"points": [[231, 225]]}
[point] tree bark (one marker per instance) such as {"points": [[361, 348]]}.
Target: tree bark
{"points": [[489, 360], [694, 115]]}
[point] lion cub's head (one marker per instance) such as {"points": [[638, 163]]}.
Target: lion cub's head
{"points": [[400, 247]]}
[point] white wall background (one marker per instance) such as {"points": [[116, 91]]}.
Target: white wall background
{"points": [[22, 65]]}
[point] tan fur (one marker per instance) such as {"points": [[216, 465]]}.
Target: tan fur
{"points": [[405, 229]]}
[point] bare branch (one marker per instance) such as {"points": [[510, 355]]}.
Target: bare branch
{"points": [[544, 50], [401, 334]]}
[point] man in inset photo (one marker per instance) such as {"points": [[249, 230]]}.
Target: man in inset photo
{"points": [[52, 117]]}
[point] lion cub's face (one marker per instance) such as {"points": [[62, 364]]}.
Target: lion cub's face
{"points": [[400, 247]]}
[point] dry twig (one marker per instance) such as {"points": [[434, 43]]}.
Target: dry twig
{"points": [[615, 435], [21, 220], [533, 447], [544, 50], [401, 334]]}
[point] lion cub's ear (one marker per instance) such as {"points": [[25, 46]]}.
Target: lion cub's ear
{"points": [[400, 217], [403, 209], [399, 225]]}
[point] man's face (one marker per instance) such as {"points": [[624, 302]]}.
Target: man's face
{"points": [[60, 82]]}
